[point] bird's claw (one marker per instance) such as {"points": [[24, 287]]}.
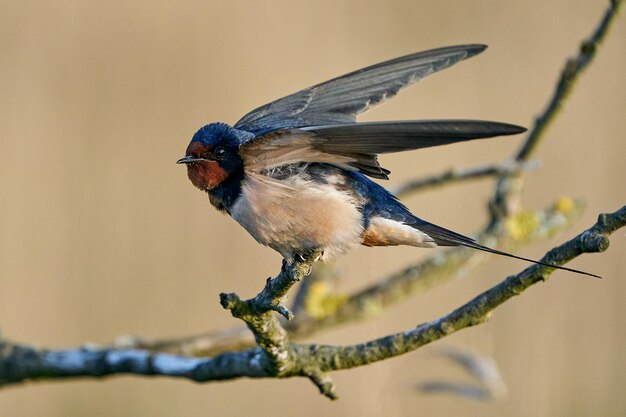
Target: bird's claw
{"points": [[301, 257], [306, 256]]}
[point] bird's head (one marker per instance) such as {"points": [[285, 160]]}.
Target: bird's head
{"points": [[212, 157]]}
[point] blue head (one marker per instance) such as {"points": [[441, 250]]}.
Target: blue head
{"points": [[212, 157]]}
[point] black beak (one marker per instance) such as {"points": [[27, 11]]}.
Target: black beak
{"points": [[188, 160]]}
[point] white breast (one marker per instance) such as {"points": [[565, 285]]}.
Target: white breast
{"points": [[296, 215]]}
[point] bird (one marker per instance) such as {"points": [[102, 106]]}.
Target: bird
{"points": [[297, 173]]}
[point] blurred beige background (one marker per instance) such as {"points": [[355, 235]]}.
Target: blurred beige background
{"points": [[101, 233]]}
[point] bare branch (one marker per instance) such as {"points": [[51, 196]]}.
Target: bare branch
{"points": [[508, 188], [276, 356], [574, 67], [476, 311], [257, 312], [268, 333], [332, 309], [455, 175], [503, 205], [20, 363], [440, 268]]}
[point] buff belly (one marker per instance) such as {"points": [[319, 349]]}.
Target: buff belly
{"points": [[295, 215]]}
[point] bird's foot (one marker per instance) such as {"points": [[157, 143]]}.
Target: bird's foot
{"points": [[311, 256]]}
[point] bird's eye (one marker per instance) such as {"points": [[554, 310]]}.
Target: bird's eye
{"points": [[219, 152]]}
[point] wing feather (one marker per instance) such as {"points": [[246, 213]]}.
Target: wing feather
{"points": [[288, 147], [340, 100], [398, 136], [356, 146]]}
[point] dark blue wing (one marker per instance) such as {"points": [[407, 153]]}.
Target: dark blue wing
{"points": [[341, 99], [398, 136], [355, 146]]}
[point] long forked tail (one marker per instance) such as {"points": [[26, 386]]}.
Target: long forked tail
{"points": [[445, 237]]}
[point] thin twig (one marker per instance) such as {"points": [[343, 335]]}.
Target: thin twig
{"points": [[508, 187], [573, 68], [456, 175]]}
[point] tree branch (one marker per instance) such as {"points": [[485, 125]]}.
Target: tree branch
{"points": [[438, 269], [456, 175], [276, 356], [268, 333], [476, 311], [19, 363], [508, 187], [328, 308], [504, 208], [573, 68]]}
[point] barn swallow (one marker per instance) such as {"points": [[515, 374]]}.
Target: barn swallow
{"points": [[295, 173]]}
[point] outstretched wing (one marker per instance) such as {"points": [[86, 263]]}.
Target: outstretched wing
{"points": [[398, 136], [340, 100], [356, 146]]}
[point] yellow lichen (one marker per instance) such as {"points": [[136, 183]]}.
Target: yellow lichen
{"points": [[321, 302], [564, 205], [521, 225]]}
